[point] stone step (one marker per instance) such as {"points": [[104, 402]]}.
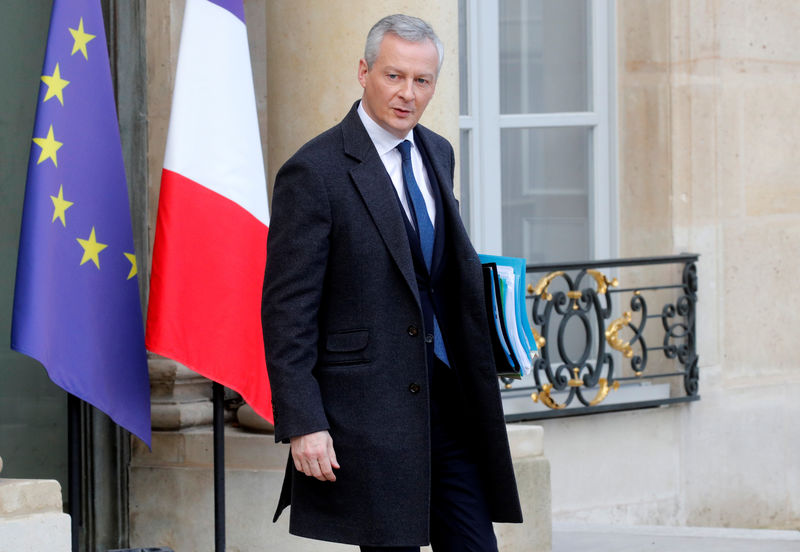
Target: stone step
{"points": [[574, 537], [31, 517], [29, 496]]}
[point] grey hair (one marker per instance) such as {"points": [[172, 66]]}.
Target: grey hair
{"points": [[406, 27]]}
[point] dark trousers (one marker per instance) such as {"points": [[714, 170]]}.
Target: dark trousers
{"points": [[460, 519]]}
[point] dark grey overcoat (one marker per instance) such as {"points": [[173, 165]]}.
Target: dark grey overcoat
{"points": [[340, 313]]}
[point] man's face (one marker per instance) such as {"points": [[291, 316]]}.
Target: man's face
{"points": [[400, 84]]}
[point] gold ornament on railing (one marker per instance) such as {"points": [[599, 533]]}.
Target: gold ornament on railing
{"points": [[546, 399], [575, 381], [541, 285], [540, 341], [611, 335], [576, 295], [603, 390], [602, 281]]}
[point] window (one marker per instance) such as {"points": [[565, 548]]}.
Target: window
{"points": [[536, 135]]}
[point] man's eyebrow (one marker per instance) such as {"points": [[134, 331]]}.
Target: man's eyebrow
{"points": [[390, 69]]}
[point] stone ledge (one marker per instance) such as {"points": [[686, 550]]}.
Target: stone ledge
{"points": [[193, 447], [172, 488], [249, 419], [176, 415], [173, 506], [535, 533], [172, 380], [679, 531], [29, 496], [35, 533], [525, 440]]}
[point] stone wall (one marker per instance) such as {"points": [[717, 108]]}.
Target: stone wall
{"points": [[708, 95], [305, 57], [313, 50], [709, 124]]}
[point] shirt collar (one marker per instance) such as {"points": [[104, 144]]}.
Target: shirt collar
{"points": [[384, 140]]}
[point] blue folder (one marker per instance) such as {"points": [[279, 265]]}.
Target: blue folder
{"points": [[523, 326]]}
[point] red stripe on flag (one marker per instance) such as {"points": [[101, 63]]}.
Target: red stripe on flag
{"points": [[205, 288]]}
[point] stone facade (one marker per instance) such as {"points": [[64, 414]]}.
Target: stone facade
{"points": [[303, 86], [709, 122], [707, 103]]}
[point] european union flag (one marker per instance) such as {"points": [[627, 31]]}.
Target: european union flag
{"points": [[76, 302]]}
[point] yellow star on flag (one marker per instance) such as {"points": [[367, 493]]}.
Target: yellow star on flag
{"points": [[55, 85], [91, 249], [60, 206], [49, 147], [132, 258], [81, 39]]}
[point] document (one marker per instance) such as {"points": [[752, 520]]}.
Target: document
{"points": [[521, 351], [508, 313]]}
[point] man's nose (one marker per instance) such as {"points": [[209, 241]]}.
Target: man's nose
{"points": [[407, 90]]}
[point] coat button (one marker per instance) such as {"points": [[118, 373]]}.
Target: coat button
{"points": [[412, 330], [428, 338], [414, 388]]}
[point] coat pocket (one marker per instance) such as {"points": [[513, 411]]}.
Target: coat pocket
{"points": [[346, 348]]}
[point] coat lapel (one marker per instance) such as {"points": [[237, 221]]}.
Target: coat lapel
{"points": [[376, 189]]}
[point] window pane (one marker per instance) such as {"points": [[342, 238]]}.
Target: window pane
{"points": [[463, 58], [544, 56], [546, 174], [464, 137]]}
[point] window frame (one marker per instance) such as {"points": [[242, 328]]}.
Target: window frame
{"points": [[483, 124]]}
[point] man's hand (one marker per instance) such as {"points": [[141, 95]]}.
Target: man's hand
{"points": [[314, 456]]}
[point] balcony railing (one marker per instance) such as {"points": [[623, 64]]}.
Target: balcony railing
{"points": [[613, 335]]}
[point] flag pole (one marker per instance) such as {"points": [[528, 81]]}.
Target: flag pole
{"points": [[219, 468], [74, 466]]}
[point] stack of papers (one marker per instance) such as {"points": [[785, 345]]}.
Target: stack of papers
{"points": [[514, 348]]}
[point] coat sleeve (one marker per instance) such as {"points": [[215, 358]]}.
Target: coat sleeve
{"points": [[297, 253]]}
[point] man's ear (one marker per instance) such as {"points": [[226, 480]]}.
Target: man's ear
{"points": [[362, 72]]}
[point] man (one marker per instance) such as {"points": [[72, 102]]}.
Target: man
{"points": [[375, 328]]}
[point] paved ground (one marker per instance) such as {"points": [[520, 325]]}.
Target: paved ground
{"points": [[597, 538]]}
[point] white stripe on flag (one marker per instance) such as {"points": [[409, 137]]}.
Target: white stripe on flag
{"points": [[213, 130]]}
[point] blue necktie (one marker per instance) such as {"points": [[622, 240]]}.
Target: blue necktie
{"points": [[425, 232]]}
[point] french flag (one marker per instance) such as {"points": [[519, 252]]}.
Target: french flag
{"points": [[213, 216]]}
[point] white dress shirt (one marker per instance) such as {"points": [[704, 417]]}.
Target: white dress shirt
{"points": [[386, 144]]}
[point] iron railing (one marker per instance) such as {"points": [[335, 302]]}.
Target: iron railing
{"points": [[603, 346]]}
